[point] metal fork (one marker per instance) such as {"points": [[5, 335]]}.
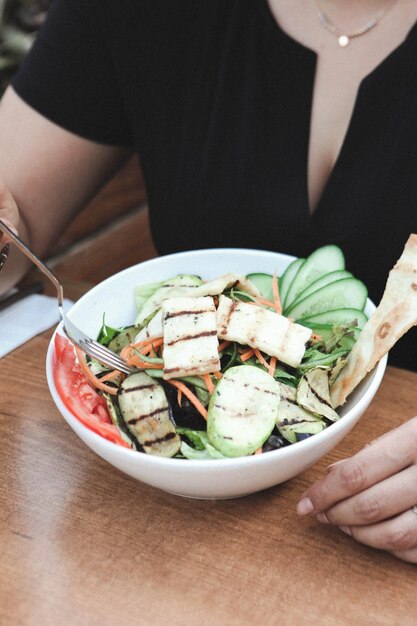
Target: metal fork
{"points": [[74, 334], [4, 253]]}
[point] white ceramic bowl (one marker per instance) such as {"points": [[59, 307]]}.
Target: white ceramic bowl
{"points": [[212, 478]]}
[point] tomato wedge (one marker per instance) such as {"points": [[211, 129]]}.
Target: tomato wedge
{"points": [[79, 397]]}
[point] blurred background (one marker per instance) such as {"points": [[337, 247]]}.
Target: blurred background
{"points": [[115, 223], [19, 21]]}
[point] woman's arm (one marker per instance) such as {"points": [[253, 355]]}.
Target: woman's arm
{"points": [[49, 173]]}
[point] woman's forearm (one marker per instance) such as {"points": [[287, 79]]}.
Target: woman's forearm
{"points": [[47, 175]]}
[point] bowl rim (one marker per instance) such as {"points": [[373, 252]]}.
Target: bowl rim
{"points": [[260, 459]]}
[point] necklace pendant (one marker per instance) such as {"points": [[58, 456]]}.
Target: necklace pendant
{"points": [[343, 41]]}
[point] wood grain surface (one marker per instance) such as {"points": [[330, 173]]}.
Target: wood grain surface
{"points": [[83, 544]]}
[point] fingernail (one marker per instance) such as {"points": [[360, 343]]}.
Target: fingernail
{"points": [[345, 529], [305, 506], [322, 517]]}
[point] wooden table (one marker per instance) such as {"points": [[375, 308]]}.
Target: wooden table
{"points": [[81, 543]]}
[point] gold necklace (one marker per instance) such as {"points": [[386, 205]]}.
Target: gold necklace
{"points": [[343, 38]]}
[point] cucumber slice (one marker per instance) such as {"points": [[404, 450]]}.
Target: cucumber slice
{"points": [[331, 277], [348, 292], [342, 317], [288, 277], [144, 292], [123, 338], [264, 283], [322, 261], [325, 330], [242, 410]]}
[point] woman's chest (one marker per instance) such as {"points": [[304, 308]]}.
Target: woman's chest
{"points": [[340, 70], [225, 135]]}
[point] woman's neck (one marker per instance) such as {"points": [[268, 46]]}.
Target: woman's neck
{"points": [[351, 12]]}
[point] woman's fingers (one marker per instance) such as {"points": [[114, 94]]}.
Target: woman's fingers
{"points": [[9, 213], [381, 501], [371, 465], [408, 555], [4, 238], [397, 535]]}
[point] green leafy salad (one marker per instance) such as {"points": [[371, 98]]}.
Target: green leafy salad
{"points": [[234, 366]]}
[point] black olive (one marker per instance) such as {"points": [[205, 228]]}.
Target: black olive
{"points": [[273, 443], [301, 436], [185, 415]]}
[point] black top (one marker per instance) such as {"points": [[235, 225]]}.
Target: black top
{"points": [[216, 98]]}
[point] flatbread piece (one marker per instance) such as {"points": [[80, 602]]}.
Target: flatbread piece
{"points": [[395, 315]]}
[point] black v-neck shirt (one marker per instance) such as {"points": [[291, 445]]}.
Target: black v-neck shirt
{"points": [[216, 99]]}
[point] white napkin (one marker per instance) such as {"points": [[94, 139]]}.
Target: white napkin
{"points": [[25, 319]]}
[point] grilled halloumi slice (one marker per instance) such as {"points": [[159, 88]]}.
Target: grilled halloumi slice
{"points": [[217, 286], [210, 288], [256, 327], [165, 289], [190, 337], [145, 410]]}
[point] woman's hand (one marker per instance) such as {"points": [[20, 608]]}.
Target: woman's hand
{"points": [[371, 495], [9, 213]]}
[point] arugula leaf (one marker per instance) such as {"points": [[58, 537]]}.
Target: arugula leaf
{"points": [[107, 333], [198, 438], [202, 447]]}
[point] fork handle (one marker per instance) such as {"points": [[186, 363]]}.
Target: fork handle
{"points": [[32, 257]]}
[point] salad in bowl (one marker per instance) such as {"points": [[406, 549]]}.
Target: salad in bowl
{"points": [[233, 367]]}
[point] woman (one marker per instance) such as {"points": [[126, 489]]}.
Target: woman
{"points": [[280, 125]]}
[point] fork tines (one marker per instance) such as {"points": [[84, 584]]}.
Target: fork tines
{"points": [[101, 353]]}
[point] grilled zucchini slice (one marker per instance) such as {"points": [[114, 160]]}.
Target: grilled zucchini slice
{"points": [[146, 412], [242, 410]]}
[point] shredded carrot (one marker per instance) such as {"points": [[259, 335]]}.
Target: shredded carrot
{"points": [[223, 345], [209, 382], [125, 352], [179, 397], [247, 355], [261, 358], [315, 337], [89, 374], [110, 376], [134, 359], [265, 302], [275, 291], [149, 346], [147, 351], [189, 394], [259, 450], [272, 366], [218, 375]]}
